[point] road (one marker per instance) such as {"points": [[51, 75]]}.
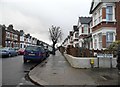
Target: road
{"points": [[14, 71], [56, 71]]}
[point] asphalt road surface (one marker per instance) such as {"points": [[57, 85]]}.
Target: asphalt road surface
{"points": [[14, 71]]}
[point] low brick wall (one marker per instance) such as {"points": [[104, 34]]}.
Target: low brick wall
{"points": [[82, 62]]}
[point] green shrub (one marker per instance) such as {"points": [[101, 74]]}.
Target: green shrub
{"points": [[114, 45]]}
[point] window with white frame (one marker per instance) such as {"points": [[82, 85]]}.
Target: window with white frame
{"points": [[109, 38], [77, 45], [7, 35], [95, 18], [85, 29], [109, 13], [100, 15], [77, 35], [95, 43], [100, 40]]}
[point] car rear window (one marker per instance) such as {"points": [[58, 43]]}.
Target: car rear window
{"points": [[33, 48]]}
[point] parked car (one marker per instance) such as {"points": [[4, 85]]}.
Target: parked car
{"points": [[16, 49], [3, 53], [10, 50], [21, 51], [34, 53]]}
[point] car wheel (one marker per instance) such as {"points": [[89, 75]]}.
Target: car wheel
{"points": [[17, 54], [10, 55], [25, 60]]}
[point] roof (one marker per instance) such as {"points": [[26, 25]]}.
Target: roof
{"points": [[95, 4], [85, 20]]}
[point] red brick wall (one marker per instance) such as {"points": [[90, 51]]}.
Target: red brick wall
{"points": [[104, 24], [118, 20], [104, 41], [19, 39], [3, 37], [103, 13]]}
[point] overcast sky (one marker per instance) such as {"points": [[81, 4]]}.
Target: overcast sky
{"points": [[37, 16]]}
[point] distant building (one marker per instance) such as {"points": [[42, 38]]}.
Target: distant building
{"points": [[10, 37], [27, 40], [75, 36], [22, 39]]}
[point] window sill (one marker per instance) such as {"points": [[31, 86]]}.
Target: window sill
{"points": [[104, 20]]}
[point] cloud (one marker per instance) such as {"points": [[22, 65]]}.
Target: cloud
{"points": [[37, 16]]}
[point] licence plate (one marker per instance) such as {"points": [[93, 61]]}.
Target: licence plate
{"points": [[31, 54]]}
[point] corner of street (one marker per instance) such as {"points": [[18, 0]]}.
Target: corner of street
{"points": [[57, 71]]}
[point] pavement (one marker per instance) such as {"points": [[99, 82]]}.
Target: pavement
{"points": [[57, 71]]}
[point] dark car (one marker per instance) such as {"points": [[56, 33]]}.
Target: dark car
{"points": [[34, 53], [16, 49], [10, 50], [4, 53]]}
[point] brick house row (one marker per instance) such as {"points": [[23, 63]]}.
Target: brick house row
{"points": [[10, 37], [27, 40], [100, 30], [14, 38]]}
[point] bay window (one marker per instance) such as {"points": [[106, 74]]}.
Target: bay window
{"points": [[77, 35], [85, 30], [95, 43]]}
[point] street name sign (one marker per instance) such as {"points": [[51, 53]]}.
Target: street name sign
{"points": [[100, 55]]}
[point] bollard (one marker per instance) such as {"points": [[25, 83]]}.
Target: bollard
{"points": [[92, 62]]}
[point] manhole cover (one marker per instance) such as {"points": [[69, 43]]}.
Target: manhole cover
{"points": [[107, 77], [26, 71], [54, 73]]}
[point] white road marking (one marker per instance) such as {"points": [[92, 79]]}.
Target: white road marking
{"points": [[103, 77]]}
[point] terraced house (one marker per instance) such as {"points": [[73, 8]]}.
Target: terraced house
{"points": [[85, 32], [14, 38], [26, 40], [106, 22], [10, 37]]}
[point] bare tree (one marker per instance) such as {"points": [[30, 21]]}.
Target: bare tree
{"points": [[55, 36]]}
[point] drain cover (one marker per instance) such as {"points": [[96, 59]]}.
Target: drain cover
{"points": [[54, 73], [26, 71], [107, 77]]}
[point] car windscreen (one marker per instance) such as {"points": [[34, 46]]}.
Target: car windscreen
{"points": [[32, 48]]}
